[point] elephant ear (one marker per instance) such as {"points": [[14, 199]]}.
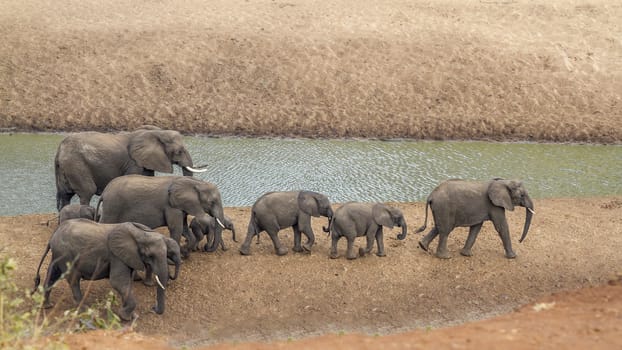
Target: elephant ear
{"points": [[499, 195], [308, 203], [122, 243], [382, 215], [183, 194], [147, 148]]}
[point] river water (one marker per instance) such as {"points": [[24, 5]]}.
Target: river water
{"points": [[404, 171]]}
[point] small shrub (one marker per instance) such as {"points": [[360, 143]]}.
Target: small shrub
{"points": [[23, 327]]}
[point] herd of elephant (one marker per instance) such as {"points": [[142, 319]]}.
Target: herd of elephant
{"points": [[117, 238]]}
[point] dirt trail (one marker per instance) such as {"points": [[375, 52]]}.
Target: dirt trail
{"points": [[226, 297]]}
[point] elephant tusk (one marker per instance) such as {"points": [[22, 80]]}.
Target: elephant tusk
{"points": [[194, 170], [531, 210], [220, 223], [158, 281]]}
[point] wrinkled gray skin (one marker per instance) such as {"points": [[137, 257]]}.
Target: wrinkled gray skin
{"points": [[158, 201], [86, 162], [98, 251], [277, 210], [207, 226], [461, 203], [354, 219], [76, 211]]}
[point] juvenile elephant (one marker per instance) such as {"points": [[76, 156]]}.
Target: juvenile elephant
{"points": [[460, 203], [114, 251], [76, 211], [162, 201], [277, 210], [86, 162], [354, 219], [201, 228]]}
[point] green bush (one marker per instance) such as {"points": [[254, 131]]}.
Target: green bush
{"points": [[24, 324]]}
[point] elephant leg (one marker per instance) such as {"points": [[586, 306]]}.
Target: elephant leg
{"points": [[350, 250], [74, 282], [175, 223], [246, 245], [121, 281], [441, 250], [297, 238], [501, 225], [473, 232], [424, 243], [333, 247], [310, 239], [380, 242], [369, 237], [53, 274], [280, 250]]}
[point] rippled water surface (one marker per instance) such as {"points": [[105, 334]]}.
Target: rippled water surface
{"points": [[345, 170]]}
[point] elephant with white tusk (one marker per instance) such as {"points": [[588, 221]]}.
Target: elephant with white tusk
{"points": [[84, 249], [86, 162], [461, 203], [158, 201]]}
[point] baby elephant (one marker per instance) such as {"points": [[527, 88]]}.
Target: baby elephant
{"points": [[84, 249], [277, 210], [355, 219], [459, 203], [207, 226], [76, 211]]}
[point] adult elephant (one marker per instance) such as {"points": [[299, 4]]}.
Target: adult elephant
{"points": [[158, 201], [355, 219], [84, 249], [86, 162], [274, 211], [207, 227], [461, 203]]}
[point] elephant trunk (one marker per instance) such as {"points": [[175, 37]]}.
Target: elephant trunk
{"points": [[327, 228], [402, 235], [161, 281], [528, 215], [233, 233], [217, 240]]}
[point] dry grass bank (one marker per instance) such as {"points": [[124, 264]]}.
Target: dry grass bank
{"points": [[506, 70]]}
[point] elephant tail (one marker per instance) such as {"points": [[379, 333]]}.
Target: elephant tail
{"points": [[253, 226], [425, 221], [38, 276]]}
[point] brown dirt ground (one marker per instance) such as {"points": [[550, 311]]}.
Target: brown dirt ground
{"points": [[445, 69], [406, 299]]}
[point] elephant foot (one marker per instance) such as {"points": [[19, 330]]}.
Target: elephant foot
{"points": [[245, 250], [350, 256], [307, 247], [510, 255], [127, 316], [184, 252], [298, 249], [443, 255], [423, 245], [281, 251], [362, 252], [334, 255], [466, 252], [381, 254]]}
